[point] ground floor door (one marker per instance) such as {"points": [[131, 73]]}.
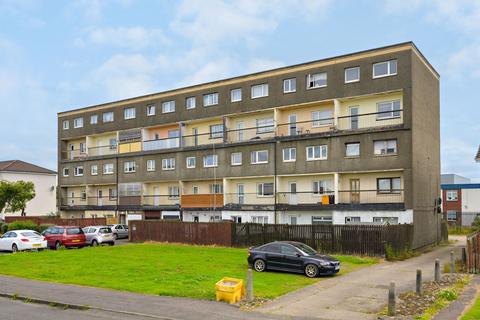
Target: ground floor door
{"points": [[355, 190]]}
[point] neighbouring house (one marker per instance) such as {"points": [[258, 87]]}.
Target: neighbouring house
{"points": [[348, 139], [461, 203], [450, 178], [45, 181]]}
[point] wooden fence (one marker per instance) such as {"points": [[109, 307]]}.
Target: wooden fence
{"points": [[473, 253], [58, 221], [348, 239]]}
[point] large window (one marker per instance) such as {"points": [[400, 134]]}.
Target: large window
{"points": [[322, 186], [289, 85], [236, 95], [316, 80], [216, 131], [388, 220], [384, 69], [190, 102], [385, 147], [78, 123], [452, 195], [210, 161], [322, 220], [129, 166], [191, 162], [168, 164], [236, 158], [388, 110], [265, 125], [352, 74], [108, 116], [388, 185], [168, 106], [265, 189], [173, 192], [257, 157], [129, 113], [151, 165], [317, 152], [289, 155], [108, 168], [210, 99], [130, 189], [352, 149], [260, 90], [322, 118], [451, 215], [94, 119], [216, 188], [78, 171]]}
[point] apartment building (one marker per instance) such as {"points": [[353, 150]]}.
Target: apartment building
{"points": [[348, 139], [461, 203]]}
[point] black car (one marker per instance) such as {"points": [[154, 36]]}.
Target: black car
{"points": [[293, 257]]}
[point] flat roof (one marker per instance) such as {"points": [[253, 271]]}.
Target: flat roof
{"points": [[460, 186]]}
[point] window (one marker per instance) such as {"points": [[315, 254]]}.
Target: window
{"points": [[260, 219], [83, 147], [129, 166], [129, 190], [352, 74], [210, 99], [452, 195], [66, 124], [108, 116], [112, 194], [216, 131], [316, 80], [129, 113], [78, 123], [321, 187], [210, 161], [260, 90], [190, 102], [173, 192], [352, 149], [389, 220], [66, 172], [322, 220], [195, 189], [150, 165], [317, 152], [451, 215], [108, 168], [289, 155], [388, 110], [265, 189], [257, 157], [78, 172], [289, 85], [236, 95], [388, 185], [191, 162], [168, 164], [352, 220], [216, 188], [265, 125], [94, 119], [384, 147], [236, 159], [151, 110], [322, 118], [384, 69], [168, 106], [94, 169]]}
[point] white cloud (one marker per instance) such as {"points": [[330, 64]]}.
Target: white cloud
{"points": [[128, 37], [92, 10], [464, 63]]}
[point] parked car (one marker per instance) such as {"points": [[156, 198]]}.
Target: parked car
{"points": [[96, 235], [119, 231], [68, 236], [19, 240], [293, 257]]}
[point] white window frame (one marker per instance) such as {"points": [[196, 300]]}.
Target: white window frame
{"points": [[151, 165], [384, 149], [354, 80], [263, 87], [66, 172], [232, 95], [313, 80], [210, 99], [108, 117], [215, 161], [232, 159], [129, 167], [78, 123], [319, 119], [394, 112], [106, 168], [391, 190], [322, 187], [129, 113], [322, 220], [94, 119], [190, 165], [66, 124], [188, 103], [350, 144], [214, 134], [323, 152], [450, 213], [76, 171], [168, 164], [260, 219], [288, 87], [292, 154], [389, 68], [451, 195], [151, 110], [261, 188], [94, 170], [168, 106], [265, 125], [173, 192], [255, 155]]}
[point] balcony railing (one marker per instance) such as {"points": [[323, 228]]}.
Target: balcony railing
{"points": [[161, 200], [370, 120], [159, 144], [240, 200], [102, 150]]}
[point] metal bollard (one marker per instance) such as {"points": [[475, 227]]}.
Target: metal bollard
{"points": [[419, 282], [391, 299], [437, 270], [452, 262], [464, 259], [249, 285]]}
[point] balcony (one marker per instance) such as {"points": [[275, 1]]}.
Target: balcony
{"points": [[249, 201], [211, 201], [161, 201], [161, 144], [372, 120]]}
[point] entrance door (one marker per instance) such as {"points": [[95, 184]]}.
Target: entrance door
{"points": [[240, 131], [156, 196], [72, 198], [292, 195], [71, 147], [355, 190], [353, 117], [100, 197], [100, 146], [241, 193], [292, 124]]}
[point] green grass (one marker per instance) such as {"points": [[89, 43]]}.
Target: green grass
{"points": [[159, 269], [474, 312], [459, 231]]}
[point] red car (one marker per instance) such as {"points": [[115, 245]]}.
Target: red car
{"points": [[67, 236]]}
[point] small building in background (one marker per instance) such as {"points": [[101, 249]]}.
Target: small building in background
{"points": [[45, 181], [461, 201], [451, 178]]}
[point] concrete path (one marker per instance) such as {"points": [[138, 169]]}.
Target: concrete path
{"points": [[360, 294]]}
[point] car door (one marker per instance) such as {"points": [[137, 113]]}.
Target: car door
{"points": [[4, 240], [273, 256], [125, 229], [291, 258]]}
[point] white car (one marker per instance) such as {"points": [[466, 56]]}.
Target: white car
{"points": [[19, 240]]}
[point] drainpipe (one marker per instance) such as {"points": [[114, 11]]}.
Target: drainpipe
{"points": [[275, 180]]}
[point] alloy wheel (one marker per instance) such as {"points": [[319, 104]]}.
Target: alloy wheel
{"points": [[14, 248], [259, 265], [311, 270]]}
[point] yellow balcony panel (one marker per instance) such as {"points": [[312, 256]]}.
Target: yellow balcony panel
{"points": [[130, 147]]}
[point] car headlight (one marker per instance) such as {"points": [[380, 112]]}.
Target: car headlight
{"points": [[324, 263]]}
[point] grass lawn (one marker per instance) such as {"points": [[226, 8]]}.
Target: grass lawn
{"points": [[474, 312], [159, 269]]}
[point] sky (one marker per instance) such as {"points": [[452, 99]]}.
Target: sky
{"points": [[60, 55]]}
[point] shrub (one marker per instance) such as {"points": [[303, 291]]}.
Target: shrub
{"points": [[447, 294], [4, 228], [43, 227], [19, 225]]}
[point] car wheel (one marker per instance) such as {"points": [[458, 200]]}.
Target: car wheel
{"points": [[111, 243], [311, 270], [40, 250], [14, 248], [94, 243], [57, 245], [259, 265], [115, 236]]}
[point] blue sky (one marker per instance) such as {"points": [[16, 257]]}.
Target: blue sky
{"points": [[59, 55]]}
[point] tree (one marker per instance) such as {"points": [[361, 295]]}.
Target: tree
{"points": [[15, 195]]}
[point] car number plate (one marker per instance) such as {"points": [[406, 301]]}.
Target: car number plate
{"points": [[37, 245], [75, 240]]}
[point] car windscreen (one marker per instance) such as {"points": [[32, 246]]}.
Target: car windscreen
{"points": [[105, 230], [72, 231], [30, 234], [304, 248]]}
